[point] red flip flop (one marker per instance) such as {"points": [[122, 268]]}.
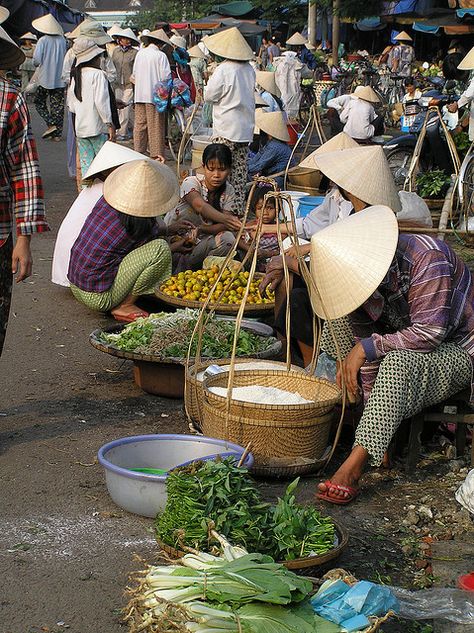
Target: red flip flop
{"points": [[133, 316], [341, 501]]}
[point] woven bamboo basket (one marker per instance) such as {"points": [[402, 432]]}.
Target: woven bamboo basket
{"points": [[194, 399], [304, 177], [319, 87], [282, 432]]}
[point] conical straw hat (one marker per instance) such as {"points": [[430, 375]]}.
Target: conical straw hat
{"points": [[266, 80], [4, 14], [273, 123], [349, 260], [48, 25], [179, 41], [467, 62], [29, 36], [296, 40], [11, 55], [229, 44], [403, 37], [366, 93], [126, 33], [195, 51], [142, 188], [112, 155], [362, 171], [336, 143], [113, 29], [159, 35]]}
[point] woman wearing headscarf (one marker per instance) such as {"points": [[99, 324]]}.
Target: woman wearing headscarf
{"points": [[231, 91], [410, 302]]}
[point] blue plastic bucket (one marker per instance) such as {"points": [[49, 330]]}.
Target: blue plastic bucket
{"points": [[308, 203]]}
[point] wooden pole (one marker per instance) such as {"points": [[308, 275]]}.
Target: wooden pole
{"points": [[335, 31], [312, 21]]}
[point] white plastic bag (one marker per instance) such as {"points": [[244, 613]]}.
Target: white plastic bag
{"points": [[414, 209], [465, 492]]}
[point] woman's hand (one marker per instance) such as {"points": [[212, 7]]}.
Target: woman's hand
{"points": [[231, 222], [111, 132], [304, 249], [453, 107], [271, 280], [349, 369], [180, 226], [181, 246], [22, 261]]}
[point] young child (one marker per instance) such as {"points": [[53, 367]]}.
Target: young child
{"points": [[206, 201], [268, 246]]}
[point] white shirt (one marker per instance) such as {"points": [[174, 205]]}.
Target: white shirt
{"points": [[231, 92], [358, 116], [468, 97], [333, 208], [93, 113], [339, 103], [150, 66], [70, 228]]}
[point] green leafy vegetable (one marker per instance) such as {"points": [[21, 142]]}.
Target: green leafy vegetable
{"points": [[433, 184]]}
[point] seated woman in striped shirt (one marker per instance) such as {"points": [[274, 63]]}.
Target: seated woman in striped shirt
{"points": [[410, 303]]}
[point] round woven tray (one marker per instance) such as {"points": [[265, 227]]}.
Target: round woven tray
{"points": [[297, 563], [273, 351], [220, 308]]}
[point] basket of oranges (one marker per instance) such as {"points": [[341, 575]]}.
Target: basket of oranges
{"points": [[189, 289]]}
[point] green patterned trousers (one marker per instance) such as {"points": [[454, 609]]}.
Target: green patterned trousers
{"points": [[139, 273]]}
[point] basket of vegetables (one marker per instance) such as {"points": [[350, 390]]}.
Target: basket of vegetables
{"points": [[221, 496], [190, 289], [193, 395], [285, 415], [158, 345]]}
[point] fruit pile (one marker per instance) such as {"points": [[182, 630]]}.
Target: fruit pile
{"points": [[196, 286]]}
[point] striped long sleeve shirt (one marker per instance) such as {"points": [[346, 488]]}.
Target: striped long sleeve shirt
{"points": [[21, 188], [426, 298]]}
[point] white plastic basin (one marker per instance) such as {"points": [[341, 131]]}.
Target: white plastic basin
{"points": [[143, 493], [295, 200]]}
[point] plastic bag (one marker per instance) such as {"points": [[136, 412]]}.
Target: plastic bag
{"points": [[326, 367], [173, 93], [465, 492], [440, 604], [414, 209]]}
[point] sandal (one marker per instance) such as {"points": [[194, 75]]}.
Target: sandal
{"points": [[351, 492]]}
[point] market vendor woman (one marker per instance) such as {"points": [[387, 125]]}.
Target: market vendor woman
{"points": [[410, 301], [117, 256]]}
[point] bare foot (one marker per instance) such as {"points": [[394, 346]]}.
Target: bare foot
{"points": [[127, 311]]}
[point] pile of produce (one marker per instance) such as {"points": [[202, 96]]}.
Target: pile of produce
{"points": [[168, 335], [236, 593], [196, 286], [220, 495]]}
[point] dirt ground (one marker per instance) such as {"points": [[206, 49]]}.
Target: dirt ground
{"points": [[65, 549]]}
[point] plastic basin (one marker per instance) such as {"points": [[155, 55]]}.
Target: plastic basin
{"points": [[145, 494], [309, 203], [295, 200], [200, 141]]}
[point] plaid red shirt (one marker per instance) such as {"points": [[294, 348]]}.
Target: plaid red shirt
{"points": [[100, 248], [21, 188]]}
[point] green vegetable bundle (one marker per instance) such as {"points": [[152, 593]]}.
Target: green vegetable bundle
{"points": [[220, 495]]}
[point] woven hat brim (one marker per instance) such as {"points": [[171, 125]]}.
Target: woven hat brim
{"points": [[467, 62], [273, 123], [128, 33], [48, 25], [362, 171], [336, 143], [229, 44], [142, 188], [87, 55], [266, 80], [349, 260], [195, 51], [160, 36], [112, 155], [296, 40], [11, 55], [29, 36], [4, 14], [403, 37]]}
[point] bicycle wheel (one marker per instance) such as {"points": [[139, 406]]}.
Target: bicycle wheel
{"points": [[306, 102], [175, 127], [399, 161], [466, 188]]}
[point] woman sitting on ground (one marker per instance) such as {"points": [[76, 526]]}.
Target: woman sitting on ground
{"points": [[274, 153], [206, 204], [116, 257], [413, 318]]}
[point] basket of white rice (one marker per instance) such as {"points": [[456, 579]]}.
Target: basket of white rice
{"points": [[286, 416], [193, 393]]}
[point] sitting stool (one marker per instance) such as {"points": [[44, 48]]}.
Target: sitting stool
{"points": [[441, 413]]}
